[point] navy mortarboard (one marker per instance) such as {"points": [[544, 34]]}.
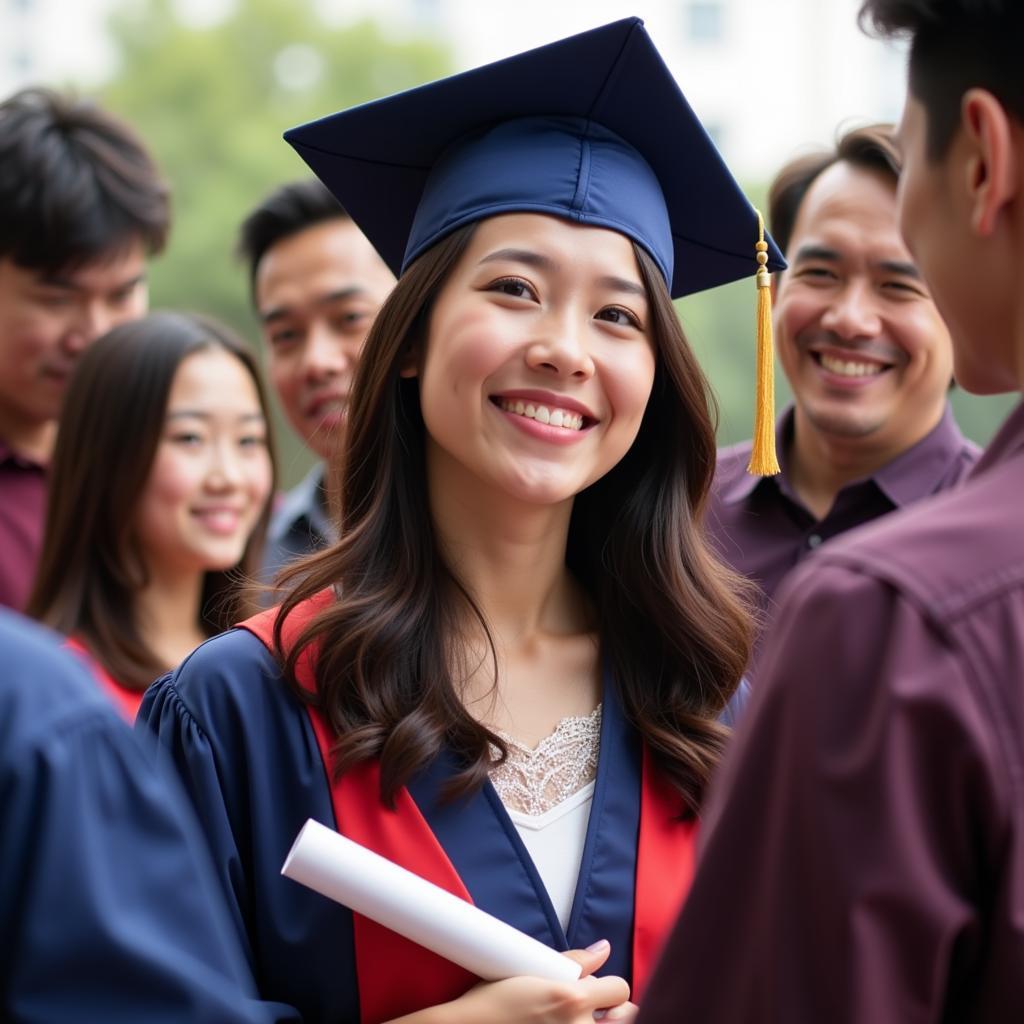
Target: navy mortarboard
{"points": [[592, 128]]}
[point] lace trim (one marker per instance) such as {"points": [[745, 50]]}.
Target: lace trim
{"points": [[534, 781]]}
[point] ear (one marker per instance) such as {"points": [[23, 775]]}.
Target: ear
{"points": [[410, 363], [993, 162]]}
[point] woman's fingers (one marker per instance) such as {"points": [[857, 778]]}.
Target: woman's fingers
{"points": [[591, 958]]}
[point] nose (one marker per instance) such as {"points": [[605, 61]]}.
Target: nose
{"points": [[224, 471], [853, 312], [325, 355], [561, 349], [94, 319]]}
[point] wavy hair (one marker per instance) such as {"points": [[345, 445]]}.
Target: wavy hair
{"points": [[672, 621]]}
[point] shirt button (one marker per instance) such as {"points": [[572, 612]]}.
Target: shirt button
{"points": [[814, 540]]}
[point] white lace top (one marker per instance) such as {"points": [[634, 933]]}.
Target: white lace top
{"points": [[547, 792]]}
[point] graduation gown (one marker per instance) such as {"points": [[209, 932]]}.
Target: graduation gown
{"points": [[249, 753], [108, 907]]}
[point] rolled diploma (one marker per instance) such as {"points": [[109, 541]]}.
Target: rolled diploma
{"points": [[373, 886]]}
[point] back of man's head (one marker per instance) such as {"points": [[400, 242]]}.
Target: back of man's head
{"points": [[289, 209], [76, 183], [955, 45], [871, 148]]}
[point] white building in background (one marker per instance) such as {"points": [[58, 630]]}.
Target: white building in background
{"points": [[768, 77]]}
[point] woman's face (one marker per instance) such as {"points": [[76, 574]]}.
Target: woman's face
{"points": [[539, 358], [211, 476]]}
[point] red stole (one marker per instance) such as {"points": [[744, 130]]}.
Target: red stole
{"points": [[125, 700], [396, 976]]}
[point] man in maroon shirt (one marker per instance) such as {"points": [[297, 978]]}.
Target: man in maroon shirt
{"points": [[81, 206], [869, 361], [863, 850]]}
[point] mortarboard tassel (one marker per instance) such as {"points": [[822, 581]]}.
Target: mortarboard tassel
{"points": [[763, 461]]}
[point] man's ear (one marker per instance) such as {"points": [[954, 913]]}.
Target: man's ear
{"points": [[993, 163]]}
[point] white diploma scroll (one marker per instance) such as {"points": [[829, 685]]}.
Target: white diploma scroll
{"points": [[375, 887]]}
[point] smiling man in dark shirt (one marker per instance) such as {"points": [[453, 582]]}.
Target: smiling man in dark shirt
{"points": [[869, 361]]}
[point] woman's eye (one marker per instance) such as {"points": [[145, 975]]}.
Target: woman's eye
{"points": [[252, 440], [186, 437], [618, 315], [514, 286]]}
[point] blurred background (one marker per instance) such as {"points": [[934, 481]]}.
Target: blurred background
{"points": [[212, 84]]}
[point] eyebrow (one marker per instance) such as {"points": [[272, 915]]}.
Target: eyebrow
{"points": [[198, 414], [354, 291], [542, 262], [827, 255], [56, 281]]}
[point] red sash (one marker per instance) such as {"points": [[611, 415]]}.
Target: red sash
{"points": [[126, 701], [396, 976]]}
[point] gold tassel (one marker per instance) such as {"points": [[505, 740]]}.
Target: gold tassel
{"points": [[763, 460]]}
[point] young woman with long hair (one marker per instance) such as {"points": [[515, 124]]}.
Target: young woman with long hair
{"points": [[158, 498], [508, 675]]}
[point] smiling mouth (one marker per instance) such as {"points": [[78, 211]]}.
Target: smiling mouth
{"points": [[552, 416], [848, 367]]}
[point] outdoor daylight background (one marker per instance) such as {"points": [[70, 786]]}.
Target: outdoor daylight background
{"points": [[212, 84]]}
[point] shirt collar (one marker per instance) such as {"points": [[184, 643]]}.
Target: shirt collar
{"points": [[303, 502], [919, 469], [742, 484]]}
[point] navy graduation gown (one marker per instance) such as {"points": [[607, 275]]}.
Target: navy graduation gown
{"points": [[108, 909], [250, 757]]}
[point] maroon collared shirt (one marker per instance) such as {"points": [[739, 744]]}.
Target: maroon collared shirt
{"points": [[22, 516], [763, 530], [863, 847]]}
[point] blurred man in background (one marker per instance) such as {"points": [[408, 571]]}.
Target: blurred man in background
{"points": [[82, 206], [869, 361], [317, 284]]}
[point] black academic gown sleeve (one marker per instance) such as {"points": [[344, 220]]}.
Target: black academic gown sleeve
{"points": [[108, 907]]}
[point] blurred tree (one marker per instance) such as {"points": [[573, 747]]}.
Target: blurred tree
{"points": [[213, 101]]}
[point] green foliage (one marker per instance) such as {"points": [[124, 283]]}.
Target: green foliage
{"points": [[212, 104]]}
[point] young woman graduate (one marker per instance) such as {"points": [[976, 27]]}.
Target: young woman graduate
{"points": [[158, 501], [508, 674]]}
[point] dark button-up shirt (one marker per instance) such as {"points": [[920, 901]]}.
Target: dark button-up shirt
{"points": [[22, 518], [863, 853], [300, 524], [762, 529]]}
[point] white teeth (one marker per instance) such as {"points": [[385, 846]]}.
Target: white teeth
{"points": [[845, 368], [542, 414]]}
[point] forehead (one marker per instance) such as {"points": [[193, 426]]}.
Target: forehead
{"points": [[334, 253], [849, 206], [109, 270], [212, 377], [570, 246]]}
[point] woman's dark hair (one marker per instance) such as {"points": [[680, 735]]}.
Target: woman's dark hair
{"points": [[76, 183], [872, 148], [111, 424], [955, 45], [673, 630]]}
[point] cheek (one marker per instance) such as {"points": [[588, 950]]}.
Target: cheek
{"points": [[795, 309], [463, 353], [172, 481], [260, 479], [628, 383]]}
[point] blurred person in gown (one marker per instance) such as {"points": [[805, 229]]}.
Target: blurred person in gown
{"points": [[159, 498]]}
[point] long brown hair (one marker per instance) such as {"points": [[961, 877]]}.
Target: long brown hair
{"points": [[111, 423], [673, 627]]}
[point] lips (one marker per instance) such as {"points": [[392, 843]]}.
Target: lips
{"points": [[539, 398], [222, 520], [322, 406]]}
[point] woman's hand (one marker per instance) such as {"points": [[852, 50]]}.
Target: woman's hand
{"points": [[536, 1001]]}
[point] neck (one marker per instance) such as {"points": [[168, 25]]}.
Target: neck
{"points": [[33, 439], [510, 557], [820, 465], [167, 611]]}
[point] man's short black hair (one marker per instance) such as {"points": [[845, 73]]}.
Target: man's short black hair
{"points": [[76, 183], [871, 148], [289, 209], [955, 45]]}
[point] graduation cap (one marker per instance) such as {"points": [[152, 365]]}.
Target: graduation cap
{"points": [[592, 128]]}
